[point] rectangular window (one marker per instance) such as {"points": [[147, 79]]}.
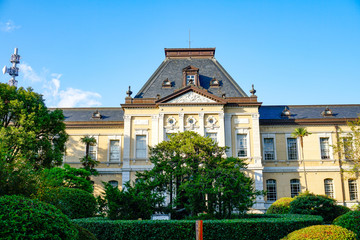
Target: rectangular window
{"points": [[294, 187], [292, 149], [324, 147], [329, 188], [213, 136], [92, 151], [271, 190], [353, 190], [242, 150], [347, 147], [141, 146], [114, 151], [269, 153], [190, 78]]}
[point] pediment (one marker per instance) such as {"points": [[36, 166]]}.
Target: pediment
{"points": [[191, 97]]}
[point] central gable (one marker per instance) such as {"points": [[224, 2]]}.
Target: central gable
{"points": [[191, 97]]}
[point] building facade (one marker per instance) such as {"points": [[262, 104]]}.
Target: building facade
{"points": [[191, 91]]}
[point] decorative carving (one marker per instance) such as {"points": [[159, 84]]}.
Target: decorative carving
{"points": [[191, 97]]}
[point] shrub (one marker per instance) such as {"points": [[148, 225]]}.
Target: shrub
{"points": [[322, 232], [350, 221], [281, 206], [267, 227], [84, 234], [356, 207], [308, 203], [23, 218], [75, 203]]}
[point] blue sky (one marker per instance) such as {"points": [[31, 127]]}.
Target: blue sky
{"points": [[86, 53]]}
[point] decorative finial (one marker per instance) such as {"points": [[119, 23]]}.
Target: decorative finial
{"points": [[129, 92], [14, 70], [253, 91]]}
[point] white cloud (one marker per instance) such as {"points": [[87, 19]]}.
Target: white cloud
{"points": [[50, 87], [8, 26]]}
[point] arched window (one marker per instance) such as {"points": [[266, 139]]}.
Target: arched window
{"points": [[294, 187], [329, 187], [114, 183], [271, 189], [353, 189]]}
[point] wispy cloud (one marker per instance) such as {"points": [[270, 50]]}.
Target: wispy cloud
{"points": [[49, 85], [8, 26]]}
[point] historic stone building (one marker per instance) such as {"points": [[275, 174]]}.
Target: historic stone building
{"points": [[191, 91]]}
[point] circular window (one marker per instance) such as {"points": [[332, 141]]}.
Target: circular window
{"points": [[191, 121], [211, 120], [171, 121]]}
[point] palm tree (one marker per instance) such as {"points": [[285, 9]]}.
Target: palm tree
{"points": [[87, 161], [301, 133]]}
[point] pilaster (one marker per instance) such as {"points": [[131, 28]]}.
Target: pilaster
{"points": [[201, 124], [228, 135], [221, 130]]}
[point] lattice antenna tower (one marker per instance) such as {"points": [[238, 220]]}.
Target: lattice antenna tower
{"points": [[14, 70]]}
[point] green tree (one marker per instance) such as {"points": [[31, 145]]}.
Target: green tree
{"points": [[194, 173], [301, 133], [88, 161], [348, 145], [28, 130]]}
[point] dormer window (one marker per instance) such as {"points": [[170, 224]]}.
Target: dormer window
{"points": [[286, 112], [96, 115], [214, 83], [190, 79], [327, 112], [190, 76], [166, 83]]}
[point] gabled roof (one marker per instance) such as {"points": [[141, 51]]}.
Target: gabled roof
{"points": [[171, 68]]}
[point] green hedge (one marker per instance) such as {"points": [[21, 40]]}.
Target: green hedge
{"points": [[350, 221], [322, 232], [280, 206], [274, 227]]}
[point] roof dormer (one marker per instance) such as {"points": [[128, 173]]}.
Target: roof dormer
{"points": [[190, 76]]}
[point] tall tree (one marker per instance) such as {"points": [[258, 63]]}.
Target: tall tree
{"points": [[348, 145], [28, 130], [88, 161], [194, 173], [300, 133]]}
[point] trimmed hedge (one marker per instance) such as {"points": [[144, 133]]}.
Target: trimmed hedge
{"points": [[268, 227], [73, 202], [281, 206], [24, 218], [350, 221], [322, 232]]}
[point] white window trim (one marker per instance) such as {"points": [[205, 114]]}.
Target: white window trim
{"points": [[97, 147], [331, 152], [333, 187], [357, 189], [116, 137], [288, 135], [269, 135], [141, 132], [243, 131]]}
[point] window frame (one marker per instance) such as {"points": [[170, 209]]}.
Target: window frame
{"points": [[268, 183], [330, 193], [293, 183], [274, 146], [331, 152], [356, 192], [96, 147], [113, 138], [288, 136]]}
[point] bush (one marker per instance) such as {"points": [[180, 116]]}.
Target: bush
{"points": [[23, 218], [84, 234], [350, 221], [322, 232], [267, 227], [75, 203], [308, 203], [281, 206], [356, 207]]}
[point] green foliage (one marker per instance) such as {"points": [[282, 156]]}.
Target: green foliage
{"points": [[309, 203], [349, 145], [75, 203], [23, 218], [191, 169], [350, 221], [356, 207], [87, 161], [102, 206], [84, 234], [274, 227], [281, 206], [131, 202], [322, 232], [28, 130], [67, 177]]}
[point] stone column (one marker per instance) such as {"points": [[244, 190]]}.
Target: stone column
{"points": [[201, 124], [256, 139], [228, 135], [154, 130], [221, 130], [161, 127]]}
